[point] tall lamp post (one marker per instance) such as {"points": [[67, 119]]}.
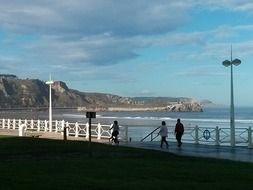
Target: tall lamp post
{"points": [[50, 82], [230, 63]]}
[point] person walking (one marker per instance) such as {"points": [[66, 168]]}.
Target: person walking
{"points": [[115, 132], [163, 133], [179, 131]]}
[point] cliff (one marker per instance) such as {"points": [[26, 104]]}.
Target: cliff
{"points": [[16, 92]]}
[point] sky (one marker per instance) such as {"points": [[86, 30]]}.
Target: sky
{"points": [[165, 48]]}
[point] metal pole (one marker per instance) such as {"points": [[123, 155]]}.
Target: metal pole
{"points": [[89, 131], [90, 149], [196, 134], [217, 136], [49, 83], [232, 113], [50, 108], [65, 133], [250, 137]]}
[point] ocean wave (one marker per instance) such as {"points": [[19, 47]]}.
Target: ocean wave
{"points": [[107, 117], [69, 115], [162, 118], [205, 120], [153, 118], [134, 118], [246, 121]]}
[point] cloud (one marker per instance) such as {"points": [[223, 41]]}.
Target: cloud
{"points": [[234, 5], [71, 36], [146, 93], [122, 18], [202, 71], [75, 33], [96, 50], [7, 63]]}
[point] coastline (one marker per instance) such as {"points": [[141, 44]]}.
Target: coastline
{"points": [[169, 108]]}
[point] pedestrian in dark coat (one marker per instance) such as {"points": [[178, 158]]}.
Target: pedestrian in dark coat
{"points": [[179, 131]]}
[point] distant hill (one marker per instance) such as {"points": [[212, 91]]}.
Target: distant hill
{"points": [[15, 92]]}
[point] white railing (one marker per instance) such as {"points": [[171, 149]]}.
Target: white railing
{"points": [[201, 135], [98, 130], [196, 135]]}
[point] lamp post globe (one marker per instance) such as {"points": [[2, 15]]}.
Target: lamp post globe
{"points": [[236, 62], [226, 63]]}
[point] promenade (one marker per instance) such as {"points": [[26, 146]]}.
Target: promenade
{"points": [[242, 154]]}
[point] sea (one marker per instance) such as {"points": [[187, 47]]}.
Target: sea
{"points": [[210, 117], [141, 123]]}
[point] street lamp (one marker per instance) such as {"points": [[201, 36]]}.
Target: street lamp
{"points": [[230, 63], [50, 82]]}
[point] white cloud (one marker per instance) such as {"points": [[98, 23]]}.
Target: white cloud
{"points": [[234, 5], [146, 92], [92, 17]]}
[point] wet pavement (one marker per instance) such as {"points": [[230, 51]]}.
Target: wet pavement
{"points": [[243, 154]]}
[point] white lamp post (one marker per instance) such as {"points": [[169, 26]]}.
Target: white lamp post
{"points": [[230, 63], [50, 82]]}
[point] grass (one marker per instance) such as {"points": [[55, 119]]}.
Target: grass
{"points": [[31, 163]]}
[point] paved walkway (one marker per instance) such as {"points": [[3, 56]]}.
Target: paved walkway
{"points": [[243, 154]]}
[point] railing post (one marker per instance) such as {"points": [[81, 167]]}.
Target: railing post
{"points": [[67, 128], [62, 127], [76, 129], [196, 134], [217, 136], [14, 124], [56, 126], [250, 137], [38, 125], [87, 130], [8, 124], [45, 125], [19, 122], [26, 124], [3, 123], [99, 132]]}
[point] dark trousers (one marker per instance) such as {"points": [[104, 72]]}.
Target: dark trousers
{"points": [[179, 137], [163, 140]]}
